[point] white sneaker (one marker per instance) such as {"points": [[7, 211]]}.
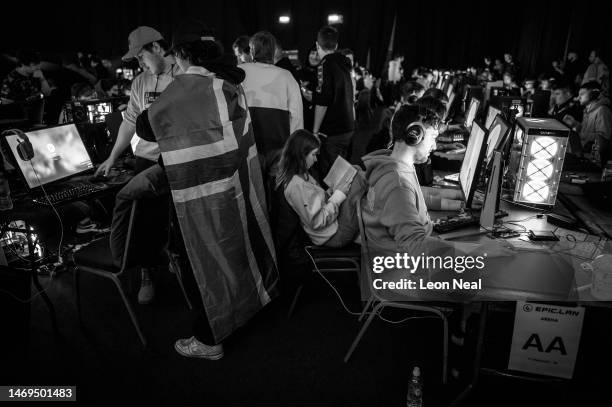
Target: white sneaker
{"points": [[146, 294], [192, 348]]}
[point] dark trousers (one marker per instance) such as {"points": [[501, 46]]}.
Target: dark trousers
{"points": [[333, 146], [152, 235]]}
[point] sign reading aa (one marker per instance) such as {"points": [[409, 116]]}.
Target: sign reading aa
{"points": [[546, 339]]}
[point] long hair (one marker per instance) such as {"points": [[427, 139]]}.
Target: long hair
{"points": [[293, 156]]}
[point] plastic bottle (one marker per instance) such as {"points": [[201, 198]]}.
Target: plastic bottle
{"points": [[415, 389], [5, 194]]}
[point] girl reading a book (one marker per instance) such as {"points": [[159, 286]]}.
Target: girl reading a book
{"points": [[328, 217]]}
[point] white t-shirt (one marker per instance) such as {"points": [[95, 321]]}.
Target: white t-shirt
{"points": [[146, 88]]}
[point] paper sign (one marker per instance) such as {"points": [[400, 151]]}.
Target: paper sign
{"points": [[546, 339]]}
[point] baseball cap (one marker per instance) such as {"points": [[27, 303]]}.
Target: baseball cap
{"points": [[190, 31], [141, 36]]}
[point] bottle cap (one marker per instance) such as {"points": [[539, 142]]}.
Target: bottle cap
{"points": [[416, 371]]}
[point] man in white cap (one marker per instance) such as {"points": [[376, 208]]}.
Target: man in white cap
{"points": [[150, 182], [148, 45]]}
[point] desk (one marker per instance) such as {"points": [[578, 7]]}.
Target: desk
{"points": [[532, 277], [35, 215]]}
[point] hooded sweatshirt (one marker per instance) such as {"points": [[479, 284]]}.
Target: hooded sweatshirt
{"points": [[394, 213], [596, 122]]}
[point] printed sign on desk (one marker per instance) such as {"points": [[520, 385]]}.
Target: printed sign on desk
{"points": [[546, 339]]}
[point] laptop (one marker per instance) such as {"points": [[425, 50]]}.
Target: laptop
{"points": [[59, 154]]}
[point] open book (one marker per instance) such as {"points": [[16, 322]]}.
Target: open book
{"points": [[340, 173]]}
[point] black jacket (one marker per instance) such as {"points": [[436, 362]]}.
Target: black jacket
{"points": [[335, 90]]}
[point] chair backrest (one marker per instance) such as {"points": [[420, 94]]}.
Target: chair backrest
{"points": [[140, 217], [366, 260], [289, 236], [128, 252]]}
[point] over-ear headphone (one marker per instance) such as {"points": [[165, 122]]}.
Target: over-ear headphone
{"points": [[414, 133], [24, 148]]}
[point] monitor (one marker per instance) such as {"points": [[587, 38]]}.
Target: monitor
{"points": [[59, 153], [451, 99], [472, 162], [498, 133], [471, 112], [96, 112], [449, 90], [491, 113]]}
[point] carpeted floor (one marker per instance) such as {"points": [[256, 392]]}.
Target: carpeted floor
{"points": [[274, 361]]}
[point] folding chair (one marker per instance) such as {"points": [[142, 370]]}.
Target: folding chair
{"points": [[379, 302], [96, 258]]}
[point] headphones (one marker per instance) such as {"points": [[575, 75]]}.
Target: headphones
{"points": [[24, 148], [414, 133]]}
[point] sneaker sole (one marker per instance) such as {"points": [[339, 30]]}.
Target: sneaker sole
{"points": [[208, 357]]}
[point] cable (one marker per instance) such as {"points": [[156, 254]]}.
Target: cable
{"points": [[59, 218], [332, 286]]}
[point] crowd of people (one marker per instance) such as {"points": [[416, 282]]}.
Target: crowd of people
{"points": [[225, 135]]}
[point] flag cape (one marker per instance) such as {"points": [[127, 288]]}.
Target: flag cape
{"points": [[204, 132]]}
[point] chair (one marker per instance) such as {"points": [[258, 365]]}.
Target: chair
{"points": [[96, 258], [291, 247], [379, 302]]}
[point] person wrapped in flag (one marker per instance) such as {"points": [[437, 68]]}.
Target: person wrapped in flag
{"points": [[203, 128]]}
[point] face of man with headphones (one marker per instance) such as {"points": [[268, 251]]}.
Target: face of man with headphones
{"points": [[420, 140], [587, 96]]}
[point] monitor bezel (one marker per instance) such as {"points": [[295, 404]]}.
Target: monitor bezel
{"points": [[479, 165], [18, 167]]}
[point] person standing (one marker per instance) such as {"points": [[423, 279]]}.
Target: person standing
{"points": [[148, 46], [334, 115], [597, 71], [274, 100], [211, 161]]}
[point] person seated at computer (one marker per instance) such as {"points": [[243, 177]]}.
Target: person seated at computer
{"points": [[327, 218], [510, 84], [411, 92], [529, 88], [395, 213], [25, 87], [80, 92], [595, 130], [564, 103]]}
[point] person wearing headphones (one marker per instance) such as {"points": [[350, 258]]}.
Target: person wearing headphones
{"points": [[395, 211], [596, 127]]}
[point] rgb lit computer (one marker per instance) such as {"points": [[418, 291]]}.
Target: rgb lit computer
{"points": [[97, 112], [472, 162], [59, 153]]}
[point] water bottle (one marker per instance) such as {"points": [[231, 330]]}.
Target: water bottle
{"points": [[415, 389], [5, 194]]}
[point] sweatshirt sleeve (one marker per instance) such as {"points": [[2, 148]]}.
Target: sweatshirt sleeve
{"points": [[294, 97], [401, 217], [311, 207]]}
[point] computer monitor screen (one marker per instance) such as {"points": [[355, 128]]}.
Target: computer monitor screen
{"points": [[449, 90], [472, 162], [491, 113], [451, 99], [471, 112], [96, 112], [498, 132], [59, 153]]}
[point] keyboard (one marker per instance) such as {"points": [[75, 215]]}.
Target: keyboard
{"points": [[68, 193], [462, 220]]}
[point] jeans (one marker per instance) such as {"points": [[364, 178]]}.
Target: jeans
{"points": [[333, 146], [149, 186]]}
